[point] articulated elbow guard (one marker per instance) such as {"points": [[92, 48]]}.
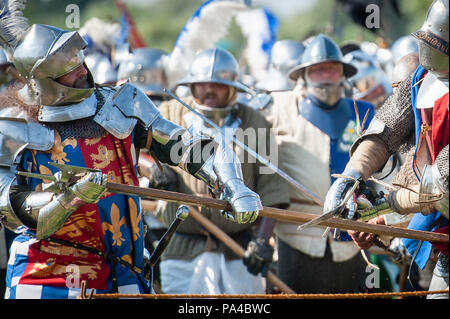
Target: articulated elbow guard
{"points": [[432, 192], [8, 217], [16, 134]]}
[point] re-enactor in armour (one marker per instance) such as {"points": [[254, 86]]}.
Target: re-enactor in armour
{"points": [[82, 232], [415, 117]]}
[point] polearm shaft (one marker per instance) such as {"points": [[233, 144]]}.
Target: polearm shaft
{"points": [[260, 158], [278, 214], [270, 212]]}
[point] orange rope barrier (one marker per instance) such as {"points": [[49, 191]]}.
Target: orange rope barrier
{"points": [[264, 296]]}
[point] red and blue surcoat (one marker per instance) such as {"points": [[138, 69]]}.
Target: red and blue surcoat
{"points": [[435, 139], [114, 225]]}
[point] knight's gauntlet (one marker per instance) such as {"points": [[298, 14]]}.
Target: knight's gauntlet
{"points": [[52, 210], [222, 171], [214, 163]]}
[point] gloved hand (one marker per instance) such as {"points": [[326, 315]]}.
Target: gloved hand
{"points": [[245, 203], [90, 188], [258, 256], [339, 189]]}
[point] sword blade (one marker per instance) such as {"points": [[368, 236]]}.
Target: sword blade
{"points": [[332, 212], [317, 220], [37, 175]]}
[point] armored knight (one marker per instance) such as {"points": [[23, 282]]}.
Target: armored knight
{"points": [[144, 67], [101, 68], [415, 116], [75, 230], [213, 84], [285, 55], [315, 128], [370, 83]]}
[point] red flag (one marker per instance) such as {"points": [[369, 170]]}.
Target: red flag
{"points": [[135, 39]]}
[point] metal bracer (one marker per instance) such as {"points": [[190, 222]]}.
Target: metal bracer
{"points": [[223, 168], [339, 189], [52, 216]]}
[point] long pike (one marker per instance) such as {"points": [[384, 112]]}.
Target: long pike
{"points": [[270, 212]]}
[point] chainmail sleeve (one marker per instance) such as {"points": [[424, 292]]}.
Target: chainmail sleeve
{"points": [[398, 118], [442, 164]]}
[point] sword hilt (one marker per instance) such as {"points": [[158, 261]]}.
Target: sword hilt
{"points": [[181, 214]]}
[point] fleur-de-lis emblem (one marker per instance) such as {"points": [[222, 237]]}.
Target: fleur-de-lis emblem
{"points": [[135, 218], [114, 227], [57, 151]]}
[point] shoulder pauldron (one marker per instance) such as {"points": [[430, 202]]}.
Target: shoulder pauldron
{"points": [[123, 108]]}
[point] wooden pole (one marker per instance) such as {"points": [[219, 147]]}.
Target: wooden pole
{"points": [[279, 214]]}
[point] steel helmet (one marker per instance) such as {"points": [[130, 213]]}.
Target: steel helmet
{"points": [[370, 82], [214, 65], [403, 46], [321, 49], [45, 53], [433, 39], [144, 67], [101, 68], [285, 55]]}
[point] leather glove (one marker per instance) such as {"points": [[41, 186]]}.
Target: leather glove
{"points": [[258, 256], [339, 189], [245, 203]]}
